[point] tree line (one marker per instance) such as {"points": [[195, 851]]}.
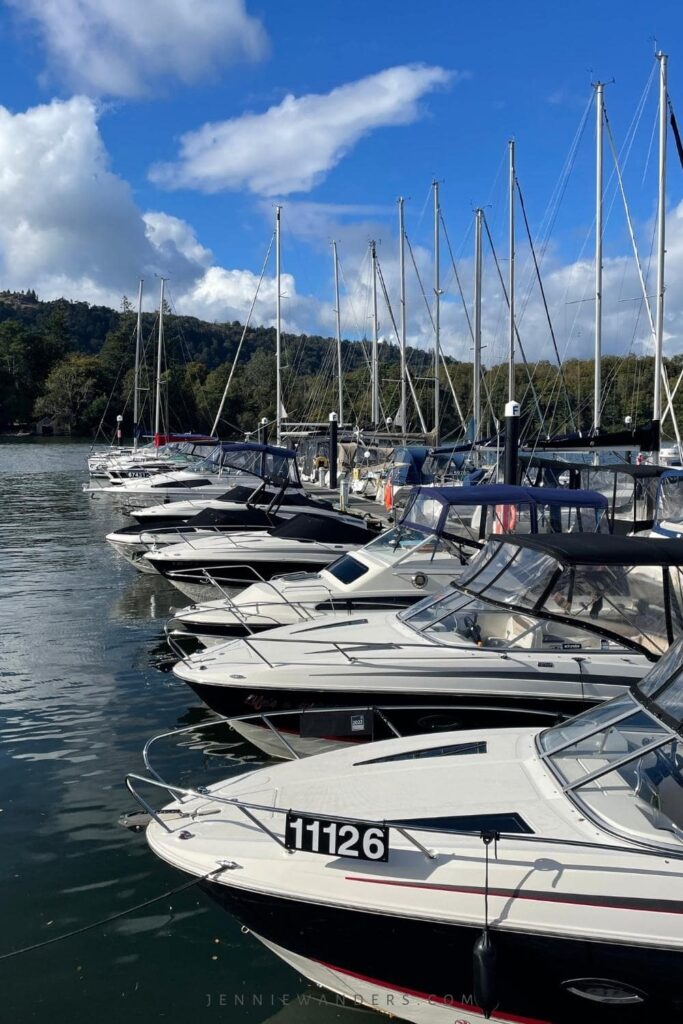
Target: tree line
{"points": [[72, 363]]}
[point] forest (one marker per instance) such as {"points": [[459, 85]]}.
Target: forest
{"points": [[70, 365]]}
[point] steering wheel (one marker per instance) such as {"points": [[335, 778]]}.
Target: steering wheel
{"points": [[471, 630]]}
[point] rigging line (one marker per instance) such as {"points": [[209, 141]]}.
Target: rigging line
{"points": [[239, 347], [559, 192], [645, 301], [443, 359], [111, 395], [393, 321], [626, 146], [517, 337], [108, 920], [419, 279], [649, 148], [543, 295], [457, 277]]}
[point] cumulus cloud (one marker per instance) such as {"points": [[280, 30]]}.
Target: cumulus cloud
{"points": [[292, 146], [69, 226], [122, 47]]}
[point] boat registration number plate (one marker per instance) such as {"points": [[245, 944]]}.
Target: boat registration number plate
{"points": [[336, 838]]}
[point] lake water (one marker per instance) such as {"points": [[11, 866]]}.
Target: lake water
{"points": [[84, 682]]}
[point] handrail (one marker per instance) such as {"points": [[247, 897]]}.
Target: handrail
{"points": [[248, 807], [383, 710]]}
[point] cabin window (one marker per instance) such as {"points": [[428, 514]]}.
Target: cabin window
{"points": [[347, 569]]}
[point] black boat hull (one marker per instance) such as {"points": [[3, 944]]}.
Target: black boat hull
{"points": [[433, 960]]}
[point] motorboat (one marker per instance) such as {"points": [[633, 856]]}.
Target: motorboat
{"points": [[229, 561], [173, 451], [239, 462], [239, 509], [512, 875], [441, 529], [535, 624]]}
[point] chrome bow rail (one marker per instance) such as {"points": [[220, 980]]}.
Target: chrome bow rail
{"points": [[182, 796]]}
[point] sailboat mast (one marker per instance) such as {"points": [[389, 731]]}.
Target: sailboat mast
{"points": [[661, 241], [278, 330], [437, 309], [340, 397], [375, 340], [160, 346], [597, 376], [402, 275], [476, 380], [511, 273], [136, 377]]}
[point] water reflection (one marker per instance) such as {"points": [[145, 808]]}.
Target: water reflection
{"points": [[79, 696]]}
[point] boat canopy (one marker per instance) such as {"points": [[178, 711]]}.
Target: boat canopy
{"points": [[472, 513], [308, 527], [448, 463], [622, 762], [624, 590], [630, 489], [266, 461]]}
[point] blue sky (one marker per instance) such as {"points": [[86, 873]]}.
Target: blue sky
{"points": [[466, 77]]}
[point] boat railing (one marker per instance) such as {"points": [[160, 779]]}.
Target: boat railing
{"points": [[303, 613], [183, 795], [299, 609], [271, 719]]}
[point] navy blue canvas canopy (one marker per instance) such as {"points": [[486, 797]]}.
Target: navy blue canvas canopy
{"points": [[430, 510], [255, 446], [501, 494]]}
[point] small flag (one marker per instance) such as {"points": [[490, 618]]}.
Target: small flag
{"points": [[677, 134]]}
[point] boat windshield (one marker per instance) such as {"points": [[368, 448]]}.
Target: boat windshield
{"points": [[623, 761], [643, 604], [405, 541], [250, 462], [457, 618]]}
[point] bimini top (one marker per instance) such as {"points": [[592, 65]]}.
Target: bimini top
{"points": [[494, 494], [642, 471], [472, 513], [249, 458], [589, 549]]}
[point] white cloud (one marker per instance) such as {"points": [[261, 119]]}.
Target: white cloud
{"points": [[121, 47], [171, 235], [70, 227], [221, 294], [292, 146]]}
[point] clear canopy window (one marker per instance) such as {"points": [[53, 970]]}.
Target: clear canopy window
{"points": [[670, 500], [636, 603], [623, 761]]}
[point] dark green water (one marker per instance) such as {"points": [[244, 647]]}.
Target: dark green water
{"points": [[82, 687]]}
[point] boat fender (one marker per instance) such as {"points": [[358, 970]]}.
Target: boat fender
{"points": [[484, 973], [485, 988]]}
